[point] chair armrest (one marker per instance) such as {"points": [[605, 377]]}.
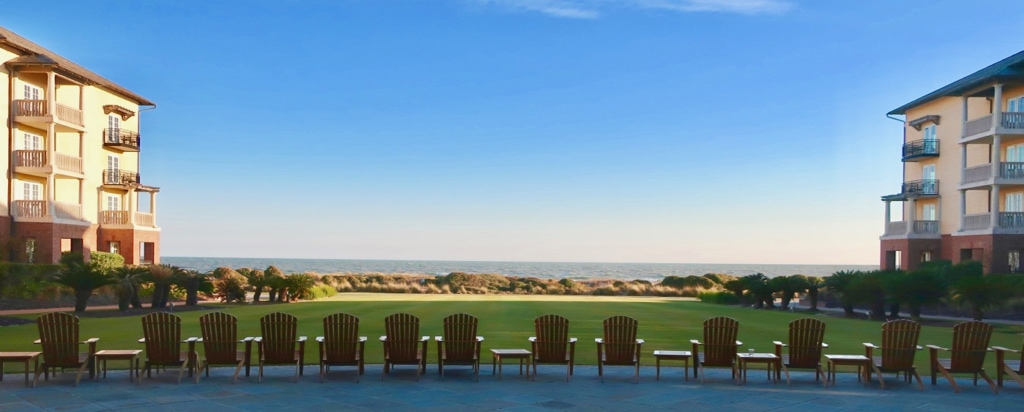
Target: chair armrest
{"points": [[383, 338], [142, 340], [572, 340], [777, 343], [320, 339], [640, 341], [200, 340], [824, 345], [599, 340], [695, 342], [38, 341], [362, 338], [919, 347], [439, 338], [738, 343], [424, 338], [92, 340], [192, 339], [532, 339], [247, 339], [301, 339], [870, 345], [1002, 349], [258, 339], [479, 338], [934, 347]]}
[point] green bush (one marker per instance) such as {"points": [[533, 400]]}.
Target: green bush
{"points": [[719, 298], [26, 281], [691, 281], [106, 261]]}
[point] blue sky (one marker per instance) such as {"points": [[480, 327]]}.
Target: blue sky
{"points": [[693, 131]]}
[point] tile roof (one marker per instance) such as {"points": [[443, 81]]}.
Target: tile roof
{"points": [[33, 53], [1009, 68]]}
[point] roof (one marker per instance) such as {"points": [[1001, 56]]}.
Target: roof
{"points": [[34, 54], [1010, 67]]}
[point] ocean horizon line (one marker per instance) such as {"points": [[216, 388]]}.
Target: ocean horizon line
{"points": [[518, 261]]}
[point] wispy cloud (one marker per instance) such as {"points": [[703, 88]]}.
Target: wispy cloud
{"points": [[592, 9]]}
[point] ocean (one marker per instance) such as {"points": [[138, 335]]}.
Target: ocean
{"points": [[544, 270]]}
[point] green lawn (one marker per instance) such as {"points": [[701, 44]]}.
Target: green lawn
{"points": [[507, 321]]}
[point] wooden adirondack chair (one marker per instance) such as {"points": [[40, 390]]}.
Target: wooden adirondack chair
{"points": [[403, 344], [341, 344], [161, 333], [220, 344], [719, 345], [899, 345], [277, 345], [552, 344], [1014, 367], [619, 345], [805, 345], [970, 344], [58, 336], [459, 345]]}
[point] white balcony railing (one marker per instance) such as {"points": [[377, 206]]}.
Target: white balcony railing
{"points": [[69, 114], [977, 221], [69, 163], [145, 219], [979, 125], [114, 217], [977, 173], [29, 158], [68, 211], [896, 228], [30, 208]]}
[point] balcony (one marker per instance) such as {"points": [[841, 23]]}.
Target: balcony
{"points": [[918, 229], [982, 127], [121, 218], [120, 179], [122, 139], [30, 208], [35, 162], [920, 149], [37, 113], [1006, 222], [1010, 173], [915, 189]]}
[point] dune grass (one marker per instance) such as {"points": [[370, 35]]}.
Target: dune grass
{"points": [[507, 322]]}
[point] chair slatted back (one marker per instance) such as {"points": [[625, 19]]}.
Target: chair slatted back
{"points": [[899, 344], [720, 341], [58, 334], [220, 337], [552, 338], [403, 332], [970, 344], [341, 337], [805, 339], [460, 337], [162, 331], [620, 340], [279, 333]]}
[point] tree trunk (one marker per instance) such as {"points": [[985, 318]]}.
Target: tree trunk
{"points": [[82, 299], [273, 295], [848, 310], [123, 302], [812, 296], [257, 293], [977, 312], [192, 296], [282, 295], [915, 312], [894, 311], [878, 309], [136, 302]]}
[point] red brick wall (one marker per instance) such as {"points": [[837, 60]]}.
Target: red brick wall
{"points": [[911, 250], [48, 238], [130, 240]]}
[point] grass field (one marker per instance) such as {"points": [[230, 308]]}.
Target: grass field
{"points": [[507, 322]]}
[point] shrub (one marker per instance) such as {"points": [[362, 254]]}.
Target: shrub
{"points": [[691, 281], [719, 279], [719, 297], [20, 280], [106, 261], [230, 287]]}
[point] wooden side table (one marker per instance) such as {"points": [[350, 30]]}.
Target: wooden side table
{"points": [[132, 356], [743, 359], [26, 357], [683, 355], [499, 354], [862, 362]]}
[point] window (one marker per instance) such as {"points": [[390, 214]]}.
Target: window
{"points": [[1014, 202], [1015, 104], [113, 128], [928, 212], [114, 246], [926, 256], [31, 92], [930, 141], [113, 170], [30, 251], [31, 141], [1015, 153], [31, 191], [113, 202], [928, 185]]}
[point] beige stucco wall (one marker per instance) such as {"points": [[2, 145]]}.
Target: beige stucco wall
{"points": [[95, 156], [5, 111]]}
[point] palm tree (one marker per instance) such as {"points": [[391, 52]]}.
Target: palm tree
{"points": [[194, 282], [839, 283], [970, 287], [814, 285], [229, 286], [82, 277], [788, 286], [257, 281], [737, 287], [128, 281], [300, 285], [275, 282], [758, 286], [162, 276]]}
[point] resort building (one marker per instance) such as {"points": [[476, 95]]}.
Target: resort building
{"points": [[962, 196], [73, 143]]}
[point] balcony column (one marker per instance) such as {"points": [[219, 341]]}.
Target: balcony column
{"points": [[963, 208], [997, 143], [152, 206], [51, 93], [888, 210], [963, 162], [912, 216], [997, 107], [994, 207], [131, 204], [965, 114]]}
